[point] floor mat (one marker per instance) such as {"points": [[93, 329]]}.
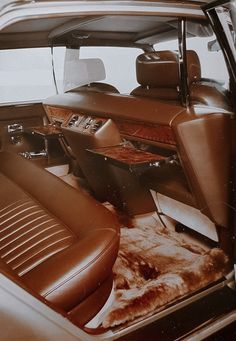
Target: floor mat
{"points": [[156, 266]]}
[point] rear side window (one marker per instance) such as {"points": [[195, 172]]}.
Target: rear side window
{"points": [[26, 75], [212, 62]]}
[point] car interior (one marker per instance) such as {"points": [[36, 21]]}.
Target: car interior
{"points": [[116, 208]]}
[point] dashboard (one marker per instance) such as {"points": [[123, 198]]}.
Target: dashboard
{"points": [[199, 135], [154, 134]]}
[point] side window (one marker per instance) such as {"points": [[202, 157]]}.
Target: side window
{"points": [[227, 17], [119, 65], [223, 16], [26, 75], [212, 62]]}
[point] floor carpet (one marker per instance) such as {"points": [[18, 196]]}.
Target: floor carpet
{"points": [[155, 266]]}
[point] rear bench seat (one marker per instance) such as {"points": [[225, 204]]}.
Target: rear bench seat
{"points": [[58, 242]]}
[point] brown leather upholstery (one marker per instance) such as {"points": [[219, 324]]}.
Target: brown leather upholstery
{"points": [[205, 149], [170, 181], [193, 67], [209, 93], [158, 69], [158, 75], [57, 241], [201, 91], [98, 87]]}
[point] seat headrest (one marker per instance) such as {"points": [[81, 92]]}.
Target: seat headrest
{"points": [[158, 69], [161, 69], [193, 66]]}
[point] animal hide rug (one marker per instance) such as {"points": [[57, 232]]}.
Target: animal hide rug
{"points": [[155, 267]]}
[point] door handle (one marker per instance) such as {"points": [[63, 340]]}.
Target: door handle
{"points": [[14, 128]]}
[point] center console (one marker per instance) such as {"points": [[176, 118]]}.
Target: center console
{"points": [[111, 166], [86, 123]]}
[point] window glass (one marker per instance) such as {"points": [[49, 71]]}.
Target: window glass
{"points": [[227, 17], [119, 65], [167, 45], [25, 75], [212, 62]]}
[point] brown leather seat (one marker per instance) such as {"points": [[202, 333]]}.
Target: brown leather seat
{"points": [[203, 91], [99, 87], [158, 76], [57, 241]]}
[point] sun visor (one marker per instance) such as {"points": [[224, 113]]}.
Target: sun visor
{"points": [[79, 72]]}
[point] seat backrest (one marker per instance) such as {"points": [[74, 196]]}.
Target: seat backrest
{"points": [[158, 76], [201, 90], [98, 87]]}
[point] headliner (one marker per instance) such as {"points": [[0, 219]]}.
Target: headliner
{"points": [[103, 29]]}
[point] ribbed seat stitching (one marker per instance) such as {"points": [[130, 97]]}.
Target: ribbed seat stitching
{"points": [[13, 209], [16, 222], [41, 251], [42, 259], [32, 198], [18, 213], [32, 246], [14, 203], [23, 226], [29, 239], [49, 255], [24, 233]]}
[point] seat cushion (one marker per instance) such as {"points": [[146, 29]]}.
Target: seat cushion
{"points": [[60, 242]]}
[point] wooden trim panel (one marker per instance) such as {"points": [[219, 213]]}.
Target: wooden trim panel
{"points": [[128, 155], [156, 133], [58, 114]]}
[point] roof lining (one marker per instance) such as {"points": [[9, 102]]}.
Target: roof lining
{"points": [[72, 24], [25, 39]]}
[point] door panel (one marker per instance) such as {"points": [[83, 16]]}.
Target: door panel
{"points": [[27, 115]]}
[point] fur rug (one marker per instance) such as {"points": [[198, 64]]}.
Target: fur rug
{"points": [[156, 266]]}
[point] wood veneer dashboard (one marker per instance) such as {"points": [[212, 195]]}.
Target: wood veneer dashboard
{"points": [[142, 119], [153, 134], [200, 133]]}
